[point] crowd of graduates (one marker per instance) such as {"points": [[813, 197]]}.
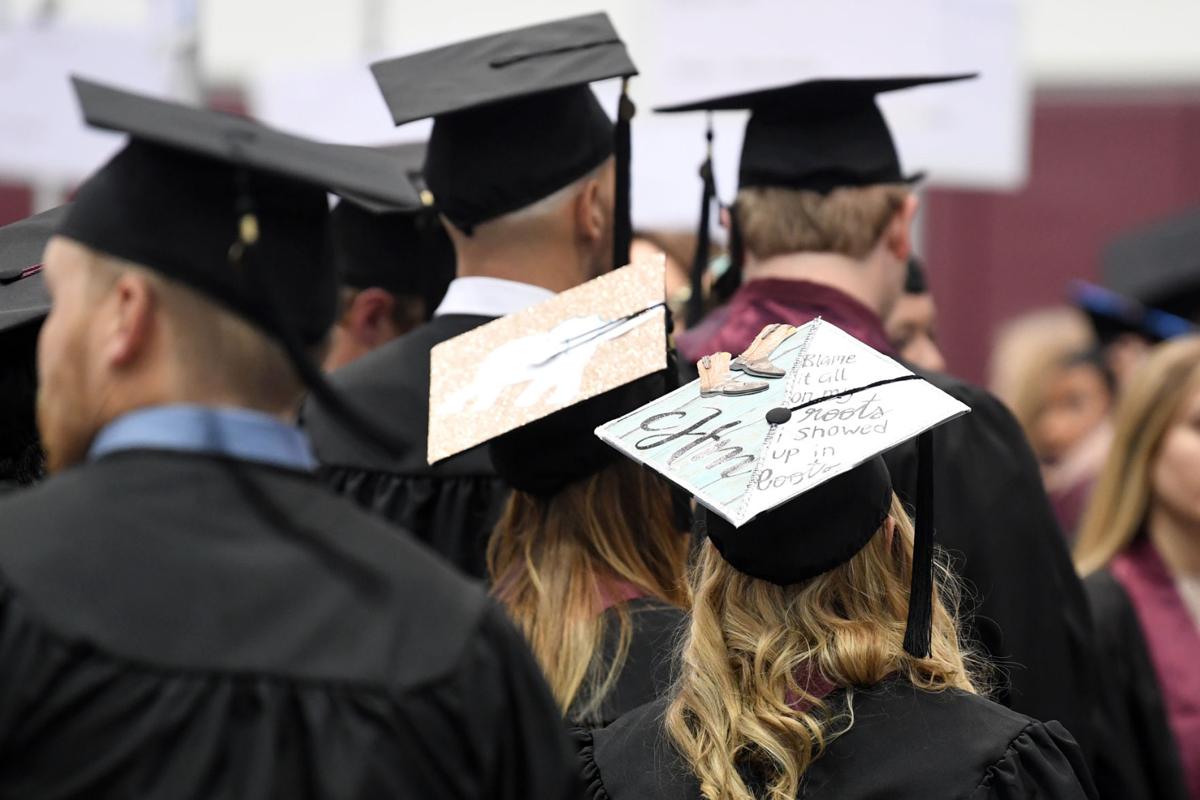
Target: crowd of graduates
{"points": [[228, 567]]}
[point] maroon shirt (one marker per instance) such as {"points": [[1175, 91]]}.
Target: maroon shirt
{"points": [[1174, 643], [759, 303]]}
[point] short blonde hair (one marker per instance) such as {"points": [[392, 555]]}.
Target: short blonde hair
{"points": [[215, 350], [775, 221]]}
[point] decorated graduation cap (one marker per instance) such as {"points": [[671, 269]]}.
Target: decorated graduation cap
{"points": [[404, 250], [791, 477], [1159, 265], [232, 209], [23, 295], [514, 117], [1112, 314], [550, 360], [815, 135]]}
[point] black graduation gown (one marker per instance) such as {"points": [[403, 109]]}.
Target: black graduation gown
{"points": [[177, 626], [903, 744], [1136, 756], [1024, 603], [453, 505], [646, 673]]}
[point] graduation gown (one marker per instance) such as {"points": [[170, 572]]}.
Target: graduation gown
{"points": [[177, 626], [1136, 755], [451, 506], [904, 743], [1024, 604], [646, 673]]}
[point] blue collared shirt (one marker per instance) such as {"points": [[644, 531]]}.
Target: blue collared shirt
{"points": [[232, 432]]}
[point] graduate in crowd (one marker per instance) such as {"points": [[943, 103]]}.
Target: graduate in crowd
{"points": [[522, 167], [394, 265], [821, 228], [911, 325], [590, 553], [185, 611], [823, 660], [24, 303], [589, 558], [1140, 550]]}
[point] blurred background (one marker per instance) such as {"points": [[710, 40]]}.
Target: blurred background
{"points": [[1085, 121]]}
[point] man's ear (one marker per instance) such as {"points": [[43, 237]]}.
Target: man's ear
{"points": [[590, 216], [898, 234], [371, 316], [130, 306]]}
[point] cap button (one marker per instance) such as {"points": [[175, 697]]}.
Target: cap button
{"points": [[778, 416]]}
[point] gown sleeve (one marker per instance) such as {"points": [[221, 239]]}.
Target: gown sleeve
{"points": [[593, 786], [1042, 762], [515, 714]]}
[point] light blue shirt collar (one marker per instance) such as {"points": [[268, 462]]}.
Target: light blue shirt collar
{"points": [[231, 432]]}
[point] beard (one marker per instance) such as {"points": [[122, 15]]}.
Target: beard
{"points": [[67, 412]]}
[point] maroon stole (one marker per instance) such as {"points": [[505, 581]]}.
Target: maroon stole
{"points": [[1173, 638]]}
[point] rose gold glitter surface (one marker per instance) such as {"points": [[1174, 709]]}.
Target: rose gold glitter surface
{"points": [[637, 352]]}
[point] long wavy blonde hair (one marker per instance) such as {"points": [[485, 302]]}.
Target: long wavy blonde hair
{"points": [[745, 703], [554, 560], [1148, 406]]}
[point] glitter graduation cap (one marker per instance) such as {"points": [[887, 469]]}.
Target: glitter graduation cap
{"points": [[23, 295], [514, 117], [236, 211], [582, 343], [791, 478], [816, 135]]}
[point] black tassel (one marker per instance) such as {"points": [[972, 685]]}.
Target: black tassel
{"points": [[695, 303], [622, 212], [731, 280], [918, 632]]}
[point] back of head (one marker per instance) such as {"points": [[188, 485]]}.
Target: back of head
{"points": [[1145, 411], [583, 526], [776, 221], [760, 657]]}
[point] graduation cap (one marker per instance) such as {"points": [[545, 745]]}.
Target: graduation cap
{"points": [[23, 295], [514, 117], [584, 342], [1159, 265], [234, 210], [816, 135], [404, 249], [1113, 314], [791, 477]]}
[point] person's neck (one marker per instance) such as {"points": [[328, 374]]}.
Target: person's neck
{"points": [[1176, 540], [853, 278], [545, 264]]}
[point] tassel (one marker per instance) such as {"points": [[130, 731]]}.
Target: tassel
{"points": [[731, 281], [622, 213], [918, 632], [695, 303]]}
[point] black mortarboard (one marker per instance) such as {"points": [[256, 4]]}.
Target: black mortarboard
{"points": [[1159, 265], [232, 209], [816, 135], [514, 117], [23, 295], [403, 250], [1113, 314]]}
